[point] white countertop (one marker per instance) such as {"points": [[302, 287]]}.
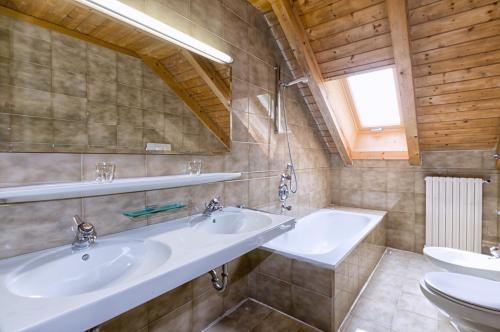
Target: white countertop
{"points": [[193, 253]]}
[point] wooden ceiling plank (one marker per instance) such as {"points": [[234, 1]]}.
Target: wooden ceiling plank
{"points": [[364, 16], [468, 48], [457, 21], [343, 72], [450, 38], [355, 34], [378, 55], [398, 20], [354, 48], [211, 77], [54, 27], [443, 8], [458, 75], [298, 40], [158, 68], [335, 10], [464, 62], [467, 85], [459, 97]]}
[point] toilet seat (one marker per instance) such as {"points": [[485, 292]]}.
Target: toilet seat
{"points": [[472, 303], [461, 261], [471, 291]]}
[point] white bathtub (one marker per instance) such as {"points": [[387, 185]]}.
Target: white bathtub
{"points": [[325, 237]]}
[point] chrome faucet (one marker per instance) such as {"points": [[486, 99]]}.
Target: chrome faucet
{"points": [[212, 206], [495, 252], [85, 234], [283, 190]]}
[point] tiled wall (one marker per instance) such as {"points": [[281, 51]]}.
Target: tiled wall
{"points": [[256, 152], [61, 94], [318, 296], [396, 187]]}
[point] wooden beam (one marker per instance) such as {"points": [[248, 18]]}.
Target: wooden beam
{"points": [[398, 22], [72, 33], [299, 42], [262, 5], [211, 77], [163, 73], [497, 153]]}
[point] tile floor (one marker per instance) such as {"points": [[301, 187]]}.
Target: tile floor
{"points": [[392, 300], [252, 316]]}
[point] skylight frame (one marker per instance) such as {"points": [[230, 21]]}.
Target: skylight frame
{"points": [[352, 104]]}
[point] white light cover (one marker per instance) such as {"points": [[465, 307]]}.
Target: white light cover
{"points": [[147, 23], [375, 98]]}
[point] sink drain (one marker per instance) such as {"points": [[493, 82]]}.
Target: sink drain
{"points": [[85, 257]]}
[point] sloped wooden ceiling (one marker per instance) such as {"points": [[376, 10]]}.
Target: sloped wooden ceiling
{"points": [[203, 85], [455, 56]]}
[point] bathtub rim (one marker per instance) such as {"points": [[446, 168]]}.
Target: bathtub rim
{"points": [[321, 260]]}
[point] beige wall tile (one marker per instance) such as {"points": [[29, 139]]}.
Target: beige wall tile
{"points": [[180, 320]]}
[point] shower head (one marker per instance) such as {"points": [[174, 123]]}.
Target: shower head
{"points": [[302, 79]]}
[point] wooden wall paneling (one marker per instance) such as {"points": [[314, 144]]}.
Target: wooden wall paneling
{"points": [[396, 10], [304, 55]]}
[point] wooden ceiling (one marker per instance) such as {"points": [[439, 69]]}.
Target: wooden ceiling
{"points": [[203, 85], [455, 59]]}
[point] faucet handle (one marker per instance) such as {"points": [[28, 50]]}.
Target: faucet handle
{"points": [[215, 202], [77, 220], [84, 228]]}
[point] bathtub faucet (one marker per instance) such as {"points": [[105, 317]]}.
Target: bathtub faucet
{"points": [[285, 207], [283, 190]]}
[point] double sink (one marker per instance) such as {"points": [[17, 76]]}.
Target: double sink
{"points": [[64, 289]]}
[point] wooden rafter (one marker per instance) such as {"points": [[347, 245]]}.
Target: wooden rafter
{"points": [[211, 77], [398, 21], [298, 40], [158, 68], [497, 153]]}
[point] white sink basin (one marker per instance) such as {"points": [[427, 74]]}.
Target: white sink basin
{"points": [[63, 290], [229, 222], [67, 272]]}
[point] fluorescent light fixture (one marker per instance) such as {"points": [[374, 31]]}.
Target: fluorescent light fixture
{"points": [[375, 98], [145, 22]]}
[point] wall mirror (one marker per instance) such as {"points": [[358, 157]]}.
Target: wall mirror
{"points": [[104, 77]]}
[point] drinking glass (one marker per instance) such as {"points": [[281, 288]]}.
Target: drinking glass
{"points": [[105, 172], [194, 167]]}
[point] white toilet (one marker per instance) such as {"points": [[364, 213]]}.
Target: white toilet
{"points": [[472, 303], [461, 261]]}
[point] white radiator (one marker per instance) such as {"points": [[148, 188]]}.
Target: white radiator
{"points": [[453, 212]]}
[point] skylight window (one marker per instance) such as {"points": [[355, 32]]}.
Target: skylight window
{"points": [[375, 98]]}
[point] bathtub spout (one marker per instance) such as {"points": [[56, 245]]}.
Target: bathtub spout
{"points": [[285, 207]]}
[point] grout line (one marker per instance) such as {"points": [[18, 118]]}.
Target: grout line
{"points": [[281, 312], [224, 315], [351, 309]]}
